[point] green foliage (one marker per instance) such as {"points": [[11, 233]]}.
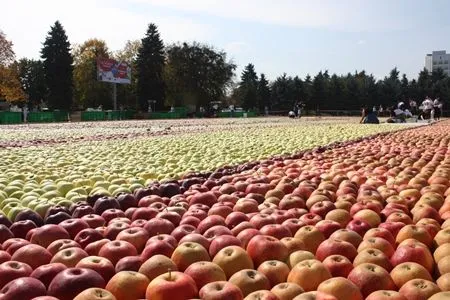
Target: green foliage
{"points": [[32, 77], [89, 92], [248, 88], [58, 68], [150, 70], [196, 74]]}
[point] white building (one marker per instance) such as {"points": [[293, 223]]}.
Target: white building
{"points": [[438, 59]]}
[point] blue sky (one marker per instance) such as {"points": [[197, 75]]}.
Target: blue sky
{"points": [[295, 37]]}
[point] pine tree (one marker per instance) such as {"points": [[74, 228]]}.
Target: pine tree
{"points": [[58, 68], [249, 87], [150, 67], [263, 92]]}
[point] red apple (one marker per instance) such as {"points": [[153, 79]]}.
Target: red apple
{"points": [[336, 246], [338, 265], [136, 236], [220, 290], [263, 247], [87, 236], [370, 277], [94, 247], [46, 273], [23, 288], [11, 270], [101, 265], [46, 234], [115, 250], [33, 255], [59, 245], [70, 282]]}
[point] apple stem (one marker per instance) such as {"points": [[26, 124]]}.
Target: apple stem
{"points": [[170, 273]]}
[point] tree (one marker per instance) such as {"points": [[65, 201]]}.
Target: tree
{"points": [[6, 51], [32, 78], [263, 92], [127, 92], [404, 87], [424, 84], [282, 93], [319, 91], [248, 88], [10, 87], [196, 74], [150, 67], [89, 92], [58, 68]]}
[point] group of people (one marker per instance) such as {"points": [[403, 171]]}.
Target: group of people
{"points": [[428, 110], [296, 112]]}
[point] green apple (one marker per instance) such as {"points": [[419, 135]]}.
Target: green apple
{"points": [[51, 194], [11, 189], [42, 208], [14, 211], [64, 187]]}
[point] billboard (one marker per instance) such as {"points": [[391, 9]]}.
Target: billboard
{"points": [[110, 70]]}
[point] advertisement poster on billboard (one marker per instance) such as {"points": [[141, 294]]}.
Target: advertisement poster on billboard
{"points": [[110, 70]]}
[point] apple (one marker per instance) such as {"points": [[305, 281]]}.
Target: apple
{"points": [[23, 288], [14, 244], [443, 266], [87, 236], [204, 272], [341, 288], [157, 265], [419, 289], [98, 264], [172, 285], [190, 220], [159, 226], [187, 253], [70, 282], [113, 229], [47, 234], [221, 242], [340, 216], [129, 263], [115, 250], [249, 281], [377, 243], [386, 295], [310, 218], [418, 233], [146, 213], [28, 214], [93, 294], [359, 226], [276, 271], [32, 255], [126, 201], [11, 270], [209, 222], [328, 227], [308, 274], [347, 235], [94, 247], [73, 226], [380, 232], [443, 282], [443, 236], [373, 256], [195, 237], [338, 265], [232, 259], [4, 256], [154, 247], [412, 253], [291, 201], [104, 203], [441, 251], [393, 227], [128, 285], [216, 231], [293, 225], [321, 208], [263, 247], [94, 220], [179, 232], [242, 226], [69, 257], [20, 229], [221, 290], [46, 273], [59, 245], [82, 210], [311, 237], [287, 290], [136, 236], [261, 295], [370, 277]]}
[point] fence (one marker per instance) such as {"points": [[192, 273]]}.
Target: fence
{"points": [[9, 117]]}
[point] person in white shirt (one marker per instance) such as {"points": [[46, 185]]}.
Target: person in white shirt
{"points": [[427, 109]]}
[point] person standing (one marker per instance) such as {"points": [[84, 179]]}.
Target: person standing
{"points": [[413, 106], [437, 106]]}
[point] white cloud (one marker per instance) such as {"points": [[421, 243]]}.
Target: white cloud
{"points": [[361, 42], [27, 24], [237, 47]]}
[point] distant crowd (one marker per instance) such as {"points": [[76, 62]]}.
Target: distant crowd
{"points": [[401, 112]]}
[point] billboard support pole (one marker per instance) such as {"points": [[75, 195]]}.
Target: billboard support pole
{"points": [[115, 96]]}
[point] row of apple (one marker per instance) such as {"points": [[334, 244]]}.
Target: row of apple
{"points": [[366, 220], [40, 177], [62, 133]]}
